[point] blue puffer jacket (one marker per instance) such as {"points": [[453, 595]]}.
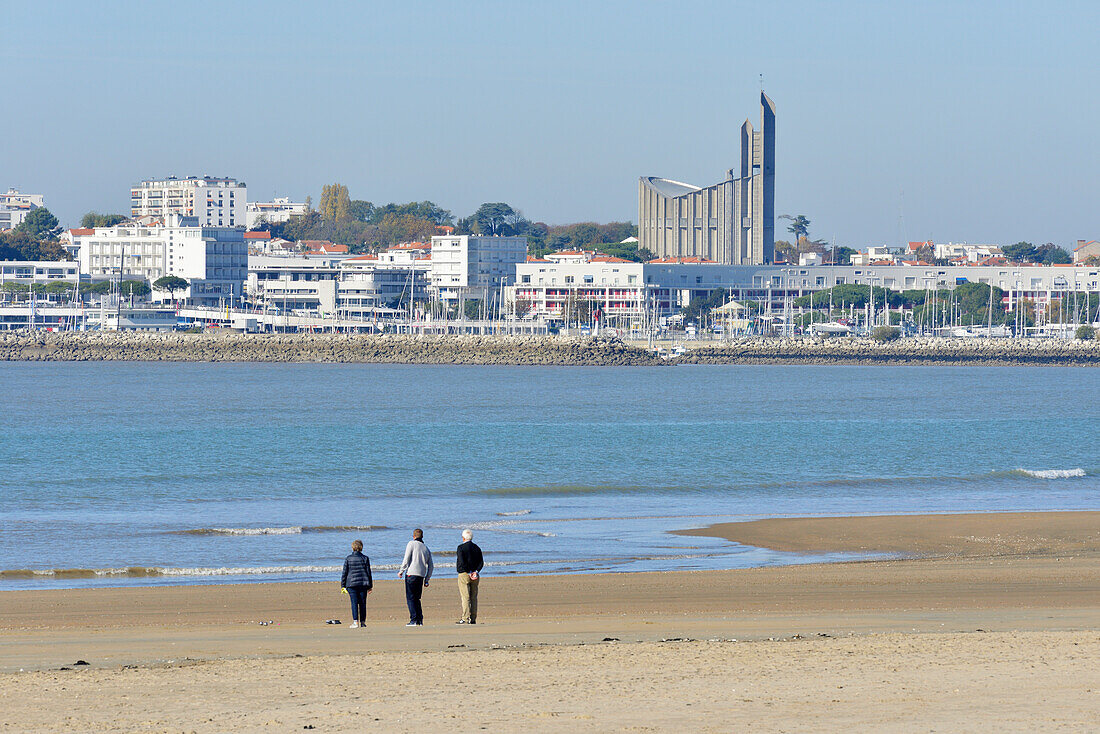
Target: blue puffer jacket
{"points": [[356, 571]]}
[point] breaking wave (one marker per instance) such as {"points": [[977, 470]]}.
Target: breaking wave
{"points": [[291, 530], [1053, 473], [514, 514]]}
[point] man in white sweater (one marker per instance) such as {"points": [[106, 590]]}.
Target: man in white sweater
{"points": [[417, 570]]}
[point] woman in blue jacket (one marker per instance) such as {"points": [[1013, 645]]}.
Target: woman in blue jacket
{"points": [[357, 582]]}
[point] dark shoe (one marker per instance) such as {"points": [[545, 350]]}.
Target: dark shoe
{"points": [[472, 622]]}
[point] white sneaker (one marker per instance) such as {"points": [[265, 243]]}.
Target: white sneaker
{"points": [[353, 625]]}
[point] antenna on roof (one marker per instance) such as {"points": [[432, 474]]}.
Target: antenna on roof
{"points": [[761, 82]]}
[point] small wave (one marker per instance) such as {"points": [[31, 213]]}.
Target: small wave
{"points": [[517, 513], [291, 530], [1053, 473], [560, 490]]}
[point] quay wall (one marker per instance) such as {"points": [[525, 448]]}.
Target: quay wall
{"points": [[528, 350]]}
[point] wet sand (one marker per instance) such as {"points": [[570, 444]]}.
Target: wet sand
{"points": [[969, 640]]}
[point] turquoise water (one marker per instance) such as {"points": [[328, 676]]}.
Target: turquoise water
{"points": [[136, 473]]}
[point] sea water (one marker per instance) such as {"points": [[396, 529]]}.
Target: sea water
{"points": [[143, 473]]}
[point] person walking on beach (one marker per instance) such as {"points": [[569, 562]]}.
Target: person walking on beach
{"points": [[357, 582], [417, 570], [468, 564]]}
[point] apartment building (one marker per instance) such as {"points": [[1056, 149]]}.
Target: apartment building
{"points": [[214, 202], [279, 210], [214, 260], [474, 267], [385, 279], [15, 206], [295, 283]]}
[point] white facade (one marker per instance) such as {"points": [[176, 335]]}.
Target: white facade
{"points": [[215, 202], [386, 279], [288, 284], [474, 266], [38, 271], [15, 206], [630, 290], [213, 260], [279, 210]]}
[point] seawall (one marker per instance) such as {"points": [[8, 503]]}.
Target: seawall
{"points": [[349, 348]]}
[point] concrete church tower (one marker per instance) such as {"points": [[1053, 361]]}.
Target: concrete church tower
{"points": [[732, 222]]}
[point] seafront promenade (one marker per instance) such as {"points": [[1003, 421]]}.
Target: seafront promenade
{"points": [[43, 346]]}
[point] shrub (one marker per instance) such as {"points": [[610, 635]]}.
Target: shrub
{"points": [[1084, 331], [885, 333]]}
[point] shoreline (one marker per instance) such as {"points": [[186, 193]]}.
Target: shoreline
{"points": [[24, 346], [941, 642]]}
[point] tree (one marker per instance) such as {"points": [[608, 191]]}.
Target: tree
{"points": [[844, 255], [360, 210], [335, 202], [170, 283], [1020, 252], [800, 225], [91, 220], [19, 245], [1084, 331], [40, 224], [133, 288], [492, 218]]}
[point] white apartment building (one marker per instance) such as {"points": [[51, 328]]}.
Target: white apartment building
{"points": [[296, 283], [15, 206], [27, 272], [215, 202], [385, 279], [474, 267], [213, 260], [281, 209]]}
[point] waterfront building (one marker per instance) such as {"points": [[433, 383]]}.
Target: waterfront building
{"points": [[214, 202], [28, 272], [633, 291], [213, 260], [277, 211], [474, 267], [15, 206], [295, 283], [731, 222], [386, 279]]}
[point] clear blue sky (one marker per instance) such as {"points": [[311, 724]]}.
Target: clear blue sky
{"points": [[973, 121]]}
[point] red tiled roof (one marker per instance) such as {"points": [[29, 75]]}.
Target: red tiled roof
{"points": [[533, 259], [261, 235], [411, 246], [81, 232], [608, 259], [361, 257]]}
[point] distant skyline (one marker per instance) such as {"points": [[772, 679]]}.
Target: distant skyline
{"points": [[952, 121]]}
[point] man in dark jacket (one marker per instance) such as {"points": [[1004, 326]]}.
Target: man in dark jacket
{"points": [[357, 582], [468, 564]]}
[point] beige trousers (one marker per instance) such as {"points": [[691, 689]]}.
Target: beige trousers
{"points": [[467, 592]]}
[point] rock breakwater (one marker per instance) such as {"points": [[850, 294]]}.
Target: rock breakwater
{"points": [[527, 350], [911, 351], [350, 348]]}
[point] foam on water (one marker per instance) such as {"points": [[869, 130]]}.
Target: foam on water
{"points": [[1054, 473], [292, 530]]}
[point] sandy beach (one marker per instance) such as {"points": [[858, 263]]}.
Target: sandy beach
{"points": [[993, 623]]}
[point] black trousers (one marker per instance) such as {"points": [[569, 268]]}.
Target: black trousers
{"points": [[414, 589]]}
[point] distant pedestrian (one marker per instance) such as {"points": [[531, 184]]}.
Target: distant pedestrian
{"points": [[357, 582], [468, 564], [417, 570]]}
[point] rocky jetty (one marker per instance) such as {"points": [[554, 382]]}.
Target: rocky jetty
{"points": [[527, 350], [352, 348], [916, 350]]}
